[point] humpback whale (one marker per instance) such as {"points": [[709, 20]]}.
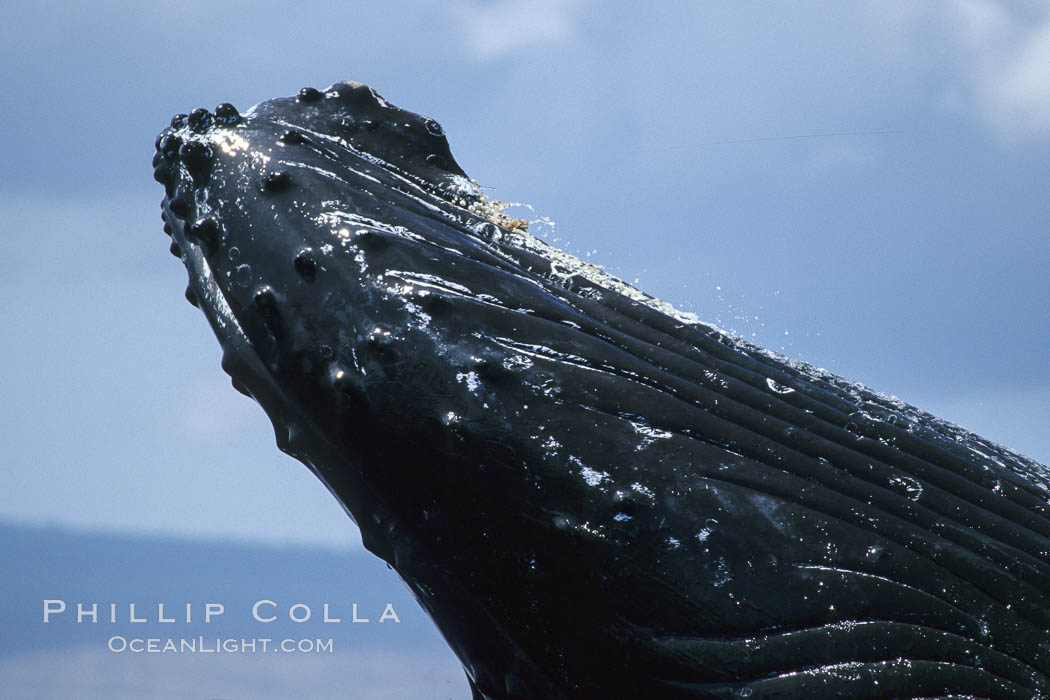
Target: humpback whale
{"points": [[591, 493]]}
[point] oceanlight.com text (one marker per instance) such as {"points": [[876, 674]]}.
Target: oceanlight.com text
{"points": [[218, 645]]}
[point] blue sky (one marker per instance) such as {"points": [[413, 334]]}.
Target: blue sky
{"points": [[861, 185]]}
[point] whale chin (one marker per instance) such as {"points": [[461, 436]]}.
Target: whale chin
{"points": [[592, 494]]}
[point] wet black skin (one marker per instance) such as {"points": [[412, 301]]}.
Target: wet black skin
{"points": [[592, 498]]}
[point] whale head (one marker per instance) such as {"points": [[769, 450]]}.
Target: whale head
{"points": [[592, 494]]}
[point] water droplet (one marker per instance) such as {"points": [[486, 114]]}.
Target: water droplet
{"points": [[433, 127], [722, 574], [777, 387], [907, 485], [242, 275]]}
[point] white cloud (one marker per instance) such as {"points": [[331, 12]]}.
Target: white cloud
{"points": [[496, 29], [1006, 66]]}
